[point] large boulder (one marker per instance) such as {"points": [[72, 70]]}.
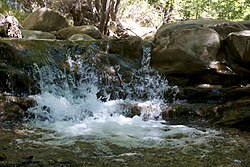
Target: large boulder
{"points": [[222, 27], [45, 19], [192, 52], [92, 31], [237, 49], [185, 50]]}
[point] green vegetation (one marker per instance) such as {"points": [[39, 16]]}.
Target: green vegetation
{"points": [[6, 8], [226, 9], [161, 11]]}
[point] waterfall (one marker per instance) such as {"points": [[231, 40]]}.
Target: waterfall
{"points": [[70, 108]]}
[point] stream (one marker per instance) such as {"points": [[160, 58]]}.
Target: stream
{"points": [[75, 127]]}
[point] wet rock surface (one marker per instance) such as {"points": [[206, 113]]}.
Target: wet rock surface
{"points": [[13, 109], [220, 80], [211, 72], [211, 105], [22, 148], [21, 58]]}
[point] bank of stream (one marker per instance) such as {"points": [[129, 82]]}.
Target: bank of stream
{"points": [[93, 108]]}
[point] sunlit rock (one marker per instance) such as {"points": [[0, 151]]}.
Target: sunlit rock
{"points": [[222, 27], [9, 27], [81, 37], [185, 50], [45, 19], [225, 27], [92, 31], [220, 67], [193, 52]]}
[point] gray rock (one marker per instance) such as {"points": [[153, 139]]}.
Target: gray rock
{"points": [[14, 108], [130, 47], [45, 19], [81, 37], [32, 34], [185, 50], [237, 48], [92, 31], [233, 114]]}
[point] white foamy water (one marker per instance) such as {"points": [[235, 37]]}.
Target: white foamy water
{"points": [[71, 112], [89, 119]]}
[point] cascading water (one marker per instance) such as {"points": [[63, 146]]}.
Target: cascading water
{"points": [[70, 109]]}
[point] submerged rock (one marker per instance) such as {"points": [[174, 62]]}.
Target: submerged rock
{"points": [[130, 110], [232, 114], [13, 109]]}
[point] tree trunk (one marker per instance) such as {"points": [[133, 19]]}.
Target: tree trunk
{"points": [[103, 15]]}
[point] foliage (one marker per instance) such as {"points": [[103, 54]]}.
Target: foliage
{"points": [[170, 10], [82, 12], [226, 9], [4, 7], [143, 12], [8, 8]]}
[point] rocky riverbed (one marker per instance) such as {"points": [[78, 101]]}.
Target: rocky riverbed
{"points": [[29, 147], [72, 97]]}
